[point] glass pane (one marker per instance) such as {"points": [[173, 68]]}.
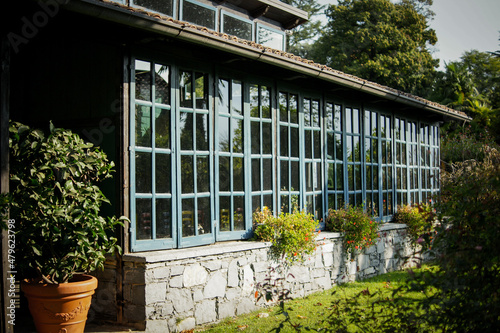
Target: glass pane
{"points": [[283, 107], [254, 101], [307, 112], [162, 84], [348, 120], [256, 175], [188, 218], [367, 122], [295, 176], [201, 132], [162, 128], [163, 220], [284, 175], [270, 38], [238, 174], [368, 151], [142, 126], [317, 144], [143, 218], [224, 134], [331, 176], [187, 176], [309, 176], [142, 80], [340, 177], [201, 90], [237, 98], [294, 141], [256, 203], [284, 141], [142, 172], [239, 213], [357, 149], [330, 144], [224, 174], [222, 101], [265, 101], [236, 27], [329, 116], [308, 144], [203, 174], [319, 178], [267, 174], [186, 130], [318, 212], [204, 216], [315, 113], [355, 121], [225, 213], [198, 15], [267, 138], [162, 6], [163, 173], [268, 201], [294, 110], [338, 118], [237, 135], [255, 136], [338, 148], [186, 90], [357, 171]]}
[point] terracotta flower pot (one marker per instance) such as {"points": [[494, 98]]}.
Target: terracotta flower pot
{"points": [[60, 308]]}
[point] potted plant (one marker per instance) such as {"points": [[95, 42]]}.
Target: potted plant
{"points": [[60, 233]]}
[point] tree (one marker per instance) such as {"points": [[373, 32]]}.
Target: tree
{"points": [[380, 41], [300, 41]]}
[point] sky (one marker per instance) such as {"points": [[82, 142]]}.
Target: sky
{"points": [[462, 25]]}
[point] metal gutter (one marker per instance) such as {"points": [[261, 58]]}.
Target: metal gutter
{"points": [[187, 32]]}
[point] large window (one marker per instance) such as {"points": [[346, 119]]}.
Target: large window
{"points": [[237, 26], [206, 151], [270, 37], [162, 6]]}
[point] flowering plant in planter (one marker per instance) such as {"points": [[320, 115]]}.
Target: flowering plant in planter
{"points": [[55, 202], [359, 228]]}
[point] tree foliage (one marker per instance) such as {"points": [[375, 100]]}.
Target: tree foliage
{"points": [[300, 41], [381, 41]]}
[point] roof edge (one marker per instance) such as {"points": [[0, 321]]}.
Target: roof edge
{"points": [[144, 20]]}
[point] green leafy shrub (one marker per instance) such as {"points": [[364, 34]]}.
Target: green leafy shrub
{"points": [[419, 220], [292, 235], [55, 202], [359, 228]]}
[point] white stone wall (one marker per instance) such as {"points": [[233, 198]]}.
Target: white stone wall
{"points": [[175, 290]]}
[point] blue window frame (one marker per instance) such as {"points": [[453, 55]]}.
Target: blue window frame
{"points": [[236, 26], [413, 162], [290, 175], [372, 162], [387, 190], [231, 158], [262, 147], [166, 7], [151, 134], [353, 144], [401, 161], [313, 157], [268, 36], [335, 155], [199, 14]]}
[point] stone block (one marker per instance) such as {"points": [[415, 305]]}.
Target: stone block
{"points": [[212, 265], [176, 270], [216, 286], [299, 274], [186, 324], [205, 312], [198, 295], [260, 266], [369, 271], [324, 283], [232, 274], [233, 293], [194, 275], [157, 326], [155, 292], [248, 281], [181, 299], [226, 309], [328, 259], [176, 281], [246, 305], [161, 273]]}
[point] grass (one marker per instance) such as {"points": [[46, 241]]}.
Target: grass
{"points": [[342, 305]]}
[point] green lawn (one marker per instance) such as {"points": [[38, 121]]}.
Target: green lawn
{"points": [[322, 311]]}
